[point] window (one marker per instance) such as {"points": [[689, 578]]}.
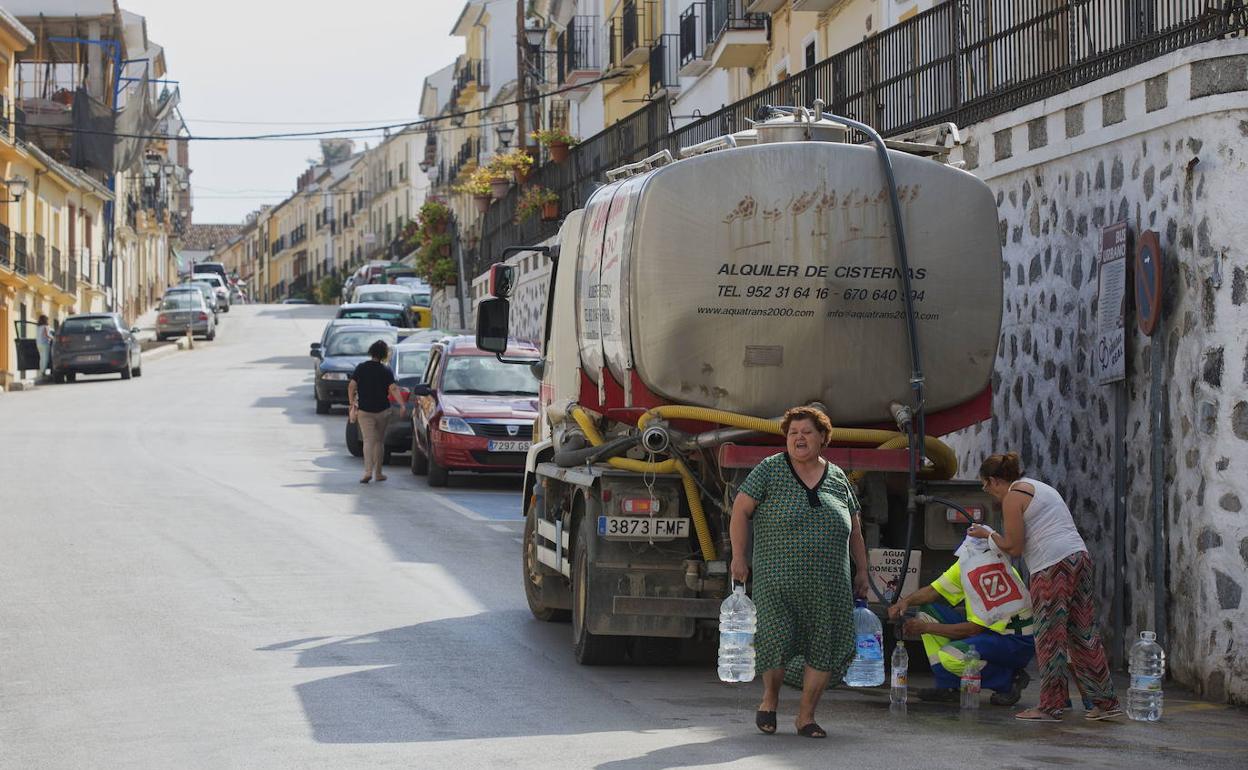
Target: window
{"points": [[810, 54]]}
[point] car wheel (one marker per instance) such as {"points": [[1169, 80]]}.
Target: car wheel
{"points": [[438, 476], [71, 376], [420, 465], [125, 371], [212, 335], [590, 649], [161, 337], [528, 563], [57, 377], [354, 445], [322, 407], [138, 370]]}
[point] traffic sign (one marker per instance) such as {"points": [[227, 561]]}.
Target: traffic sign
{"points": [[1148, 268]]}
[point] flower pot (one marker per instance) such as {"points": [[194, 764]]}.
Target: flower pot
{"points": [[558, 151], [482, 202], [550, 211], [438, 226], [499, 187], [521, 175], [444, 250]]}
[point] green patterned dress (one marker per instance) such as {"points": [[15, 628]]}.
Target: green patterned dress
{"points": [[800, 566]]}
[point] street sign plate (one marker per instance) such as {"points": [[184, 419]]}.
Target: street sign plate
{"points": [[884, 564], [1111, 336], [1148, 269]]}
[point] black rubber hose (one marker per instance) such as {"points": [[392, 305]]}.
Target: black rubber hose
{"points": [[573, 458]]}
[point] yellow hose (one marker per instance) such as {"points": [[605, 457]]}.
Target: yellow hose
{"points": [[667, 466]]}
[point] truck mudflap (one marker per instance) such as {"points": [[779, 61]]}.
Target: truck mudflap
{"points": [[669, 607]]}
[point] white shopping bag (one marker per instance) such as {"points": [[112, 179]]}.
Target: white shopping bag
{"points": [[994, 591]]}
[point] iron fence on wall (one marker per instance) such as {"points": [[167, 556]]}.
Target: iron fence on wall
{"points": [[960, 61]]}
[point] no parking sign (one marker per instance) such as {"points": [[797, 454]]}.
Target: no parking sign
{"points": [[1148, 282]]}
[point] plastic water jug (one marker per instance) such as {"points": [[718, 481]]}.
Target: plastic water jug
{"points": [[901, 674], [867, 668], [738, 620], [1147, 664], [971, 683]]}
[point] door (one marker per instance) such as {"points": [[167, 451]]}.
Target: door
{"points": [[27, 350]]}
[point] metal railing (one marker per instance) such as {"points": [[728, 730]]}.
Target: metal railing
{"points": [[40, 256], [4, 116], [630, 26], [20, 264], [6, 257], [71, 275], [665, 64], [692, 33], [58, 270], [720, 16], [576, 48], [962, 62]]}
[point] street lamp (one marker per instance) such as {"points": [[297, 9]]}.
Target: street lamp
{"points": [[152, 165], [505, 133], [17, 187], [535, 36]]}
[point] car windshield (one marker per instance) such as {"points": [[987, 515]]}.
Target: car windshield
{"points": [[421, 299], [356, 342], [91, 325], [393, 317], [410, 363], [487, 375], [211, 279], [397, 297], [183, 300]]}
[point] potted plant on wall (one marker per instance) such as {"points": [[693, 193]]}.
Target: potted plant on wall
{"points": [[478, 186], [434, 216], [518, 163], [500, 177], [537, 200], [557, 142]]}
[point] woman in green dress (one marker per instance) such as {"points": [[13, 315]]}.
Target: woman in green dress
{"points": [[804, 517]]}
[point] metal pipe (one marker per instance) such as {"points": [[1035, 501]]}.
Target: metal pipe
{"points": [[1158, 470]]}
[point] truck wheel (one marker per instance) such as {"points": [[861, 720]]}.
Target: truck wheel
{"points": [[528, 565], [590, 649], [354, 445], [438, 476], [657, 650], [420, 466]]}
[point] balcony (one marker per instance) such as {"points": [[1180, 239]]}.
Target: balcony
{"points": [[771, 6], [664, 66], [576, 51], [693, 59], [806, 6], [470, 80], [734, 38], [631, 33]]}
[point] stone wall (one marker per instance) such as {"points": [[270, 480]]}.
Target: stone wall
{"points": [[1162, 147], [528, 298]]}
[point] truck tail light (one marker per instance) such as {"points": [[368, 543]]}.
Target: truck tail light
{"points": [[639, 506], [955, 516]]}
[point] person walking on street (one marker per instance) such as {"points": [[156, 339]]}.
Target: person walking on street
{"points": [[369, 392], [43, 341], [1039, 527], [804, 520]]}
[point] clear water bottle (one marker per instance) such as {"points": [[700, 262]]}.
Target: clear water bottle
{"points": [[901, 674], [738, 620], [867, 668], [1148, 669], [971, 680]]}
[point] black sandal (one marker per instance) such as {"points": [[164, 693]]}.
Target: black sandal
{"points": [[765, 721], [812, 730]]}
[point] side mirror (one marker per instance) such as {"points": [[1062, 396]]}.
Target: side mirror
{"points": [[502, 279], [493, 318], [316, 350], [135, 330], [422, 389]]}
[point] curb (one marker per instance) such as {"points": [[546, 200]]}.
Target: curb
{"points": [[160, 351]]}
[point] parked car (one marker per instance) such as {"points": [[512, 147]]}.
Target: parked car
{"points": [[180, 309], [347, 347], [380, 292], [338, 323], [395, 315], [217, 268], [219, 286], [474, 412], [95, 343], [408, 361], [204, 288]]}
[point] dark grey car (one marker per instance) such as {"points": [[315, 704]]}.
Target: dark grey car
{"points": [[95, 343]]}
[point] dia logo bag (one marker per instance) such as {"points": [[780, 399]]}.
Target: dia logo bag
{"points": [[994, 591]]}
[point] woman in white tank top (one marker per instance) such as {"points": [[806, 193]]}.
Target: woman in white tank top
{"points": [[1040, 528]]}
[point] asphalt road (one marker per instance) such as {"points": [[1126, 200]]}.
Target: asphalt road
{"points": [[191, 577]]}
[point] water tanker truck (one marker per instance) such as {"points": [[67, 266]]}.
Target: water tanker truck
{"points": [[691, 302]]}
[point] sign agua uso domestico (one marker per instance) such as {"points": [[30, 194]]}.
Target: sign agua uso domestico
{"points": [[1111, 305], [1148, 269]]}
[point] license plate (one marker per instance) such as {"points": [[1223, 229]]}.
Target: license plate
{"points": [[508, 446], [642, 528], [93, 357]]}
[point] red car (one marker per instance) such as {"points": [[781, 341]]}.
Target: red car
{"points": [[473, 412]]}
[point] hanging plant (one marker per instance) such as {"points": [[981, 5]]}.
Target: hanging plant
{"points": [[478, 186], [434, 215], [536, 199], [557, 142], [518, 163]]}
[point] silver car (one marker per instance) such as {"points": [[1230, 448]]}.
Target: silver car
{"points": [[182, 309]]}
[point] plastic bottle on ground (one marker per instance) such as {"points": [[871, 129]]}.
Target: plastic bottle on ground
{"points": [[971, 680], [867, 667], [901, 674], [1147, 664], [738, 620]]}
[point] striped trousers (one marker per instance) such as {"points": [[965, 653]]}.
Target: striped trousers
{"points": [[1066, 635]]}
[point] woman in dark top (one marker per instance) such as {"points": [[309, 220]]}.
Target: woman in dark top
{"points": [[369, 392]]}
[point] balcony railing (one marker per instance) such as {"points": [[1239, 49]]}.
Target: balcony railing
{"points": [[4, 116], [6, 257], [721, 16], [664, 64], [692, 34], [40, 256], [956, 62], [20, 265], [58, 269], [576, 49], [71, 276]]}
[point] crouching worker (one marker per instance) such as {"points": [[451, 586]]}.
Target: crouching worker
{"points": [[942, 620]]}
